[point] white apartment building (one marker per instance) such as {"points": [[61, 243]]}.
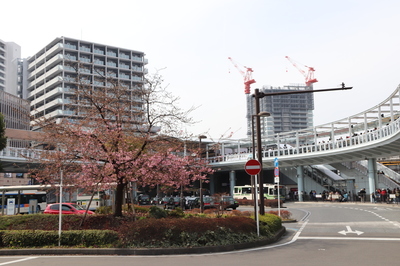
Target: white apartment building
{"points": [[50, 76], [10, 68]]}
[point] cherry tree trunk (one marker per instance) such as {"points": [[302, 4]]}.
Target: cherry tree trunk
{"points": [[119, 199]]}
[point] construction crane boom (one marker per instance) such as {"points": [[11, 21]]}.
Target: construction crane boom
{"points": [[247, 76], [309, 76]]}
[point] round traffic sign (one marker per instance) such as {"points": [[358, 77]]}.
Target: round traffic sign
{"points": [[252, 167]]}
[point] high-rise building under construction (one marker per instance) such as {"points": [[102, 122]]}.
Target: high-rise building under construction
{"points": [[289, 112]]}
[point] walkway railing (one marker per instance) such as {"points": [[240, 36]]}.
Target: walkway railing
{"points": [[364, 128], [19, 153]]}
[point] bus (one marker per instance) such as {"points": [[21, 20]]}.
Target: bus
{"points": [[100, 198], [270, 192], [23, 198]]}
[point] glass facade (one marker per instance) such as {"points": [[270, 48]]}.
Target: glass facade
{"points": [[289, 112]]}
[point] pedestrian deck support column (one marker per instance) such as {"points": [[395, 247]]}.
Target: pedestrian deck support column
{"points": [[212, 184], [300, 182], [372, 177], [232, 178]]}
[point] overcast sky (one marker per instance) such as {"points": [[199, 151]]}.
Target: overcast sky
{"points": [[351, 41]]}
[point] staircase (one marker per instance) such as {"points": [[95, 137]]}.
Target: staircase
{"points": [[326, 178]]}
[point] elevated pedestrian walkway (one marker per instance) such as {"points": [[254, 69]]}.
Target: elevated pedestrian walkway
{"points": [[374, 133]]}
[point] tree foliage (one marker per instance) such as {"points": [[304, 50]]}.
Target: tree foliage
{"points": [[118, 135]]}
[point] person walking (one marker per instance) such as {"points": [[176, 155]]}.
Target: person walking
{"points": [[362, 195]]}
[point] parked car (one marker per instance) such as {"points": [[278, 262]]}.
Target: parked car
{"points": [[228, 202], [192, 203], [210, 202], [165, 200], [173, 202], [143, 199], [155, 201], [66, 208]]}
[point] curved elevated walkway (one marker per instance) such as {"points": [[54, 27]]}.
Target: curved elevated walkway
{"points": [[374, 133]]}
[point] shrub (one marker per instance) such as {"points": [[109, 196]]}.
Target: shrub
{"points": [[140, 211], [155, 212], [38, 222], [286, 215], [245, 202], [87, 238], [176, 213], [104, 210], [269, 224], [194, 230], [273, 203], [187, 232]]}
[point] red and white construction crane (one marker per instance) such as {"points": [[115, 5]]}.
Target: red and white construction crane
{"points": [[309, 75], [247, 76]]}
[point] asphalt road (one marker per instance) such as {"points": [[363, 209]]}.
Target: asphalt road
{"points": [[325, 234]]}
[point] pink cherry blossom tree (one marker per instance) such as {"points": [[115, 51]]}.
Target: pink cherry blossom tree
{"points": [[118, 135]]}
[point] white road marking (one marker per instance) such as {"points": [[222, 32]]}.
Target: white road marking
{"points": [[349, 238], [349, 231], [15, 261]]}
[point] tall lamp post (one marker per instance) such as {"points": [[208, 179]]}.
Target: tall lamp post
{"points": [[201, 181], [258, 115], [257, 96]]}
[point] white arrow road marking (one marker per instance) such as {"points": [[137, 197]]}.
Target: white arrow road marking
{"points": [[349, 231]]}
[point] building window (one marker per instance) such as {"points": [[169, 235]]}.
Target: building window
{"points": [[8, 175], [19, 175]]}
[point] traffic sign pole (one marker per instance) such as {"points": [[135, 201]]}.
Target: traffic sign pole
{"points": [[253, 168], [256, 204], [276, 173]]}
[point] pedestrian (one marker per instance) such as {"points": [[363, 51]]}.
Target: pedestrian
{"points": [[362, 195]]}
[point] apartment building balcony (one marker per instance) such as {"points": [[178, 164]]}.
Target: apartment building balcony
{"points": [[55, 113], [52, 93], [55, 70], [55, 60], [40, 90], [51, 105], [40, 60]]}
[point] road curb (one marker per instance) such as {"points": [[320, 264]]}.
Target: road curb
{"points": [[141, 251]]}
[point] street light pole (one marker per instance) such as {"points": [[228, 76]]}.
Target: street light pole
{"points": [[253, 177], [258, 115], [257, 96]]}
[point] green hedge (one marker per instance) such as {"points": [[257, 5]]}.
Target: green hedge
{"points": [[38, 222], [39, 230], [39, 238], [269, 224], [189, 232]]}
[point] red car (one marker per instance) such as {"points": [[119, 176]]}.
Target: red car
{"points": [[67, 208]]}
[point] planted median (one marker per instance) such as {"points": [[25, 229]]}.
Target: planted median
{"points": [[146, 228]]}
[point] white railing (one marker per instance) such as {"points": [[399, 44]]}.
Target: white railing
{"points": [[19, 153], [354, 141], [374, 124]]}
